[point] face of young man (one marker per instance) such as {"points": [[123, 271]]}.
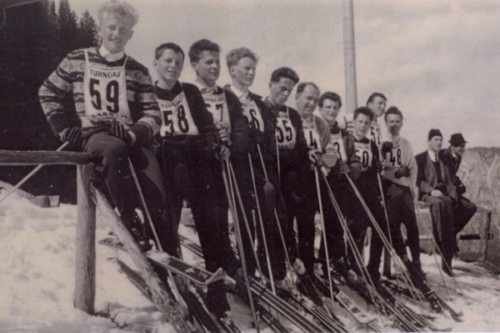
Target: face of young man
{"points": [[208, 67], [458, 150], [307, 100], [115, 31], [243, 72], [169, 66], [362, 125], [280, 91], [394, 123], [378, 106], [330, 110], [435, 143]]}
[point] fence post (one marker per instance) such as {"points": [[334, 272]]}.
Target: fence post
{"points": [[84, 243]]}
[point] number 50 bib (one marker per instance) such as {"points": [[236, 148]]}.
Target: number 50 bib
{"points": [[105, 93]]}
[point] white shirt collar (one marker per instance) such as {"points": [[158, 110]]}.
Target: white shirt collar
{"points": [[432, 155], [204, 89], [110, 56], [242, 96]]}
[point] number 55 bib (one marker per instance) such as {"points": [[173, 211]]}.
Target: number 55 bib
{"points": [[105, 93]]}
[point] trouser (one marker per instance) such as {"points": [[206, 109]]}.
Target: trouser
{"points": [[463, 213], [376, 244], [400, 207], [269, 197], [443, 223], [112, 156]]}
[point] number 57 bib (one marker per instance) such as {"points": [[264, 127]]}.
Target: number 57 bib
{"points": [[105, 93]]}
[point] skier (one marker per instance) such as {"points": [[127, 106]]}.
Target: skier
{"points": [[241, 63], [114, 118]]}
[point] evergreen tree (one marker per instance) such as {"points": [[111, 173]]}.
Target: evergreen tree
{"points": [[87, 31], [68, 29]]}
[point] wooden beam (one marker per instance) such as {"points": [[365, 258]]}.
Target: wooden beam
{"points": [[160, 297], [34, 157], [85, 253]]}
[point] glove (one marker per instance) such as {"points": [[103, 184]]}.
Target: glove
{"points": [[403, 171], [224, 130], [441, 187], [314, 156], [386, 147], [121, 132], [222, 153], [73, 135], [344, 167]]}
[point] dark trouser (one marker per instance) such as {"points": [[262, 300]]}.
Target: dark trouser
{"points": [[401, 209], [463, 213], [113, 154], [301, 206], [443, 223], [268, 197]]}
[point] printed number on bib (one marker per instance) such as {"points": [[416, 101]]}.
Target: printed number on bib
{"points": [[364, 153], [337, 142], [394, 157], [176, 117], [312, 138], [253, 115], [285, 133], [109, 91]]}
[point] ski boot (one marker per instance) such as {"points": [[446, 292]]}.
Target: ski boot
{"points": [[136, 228], [433, 302]]}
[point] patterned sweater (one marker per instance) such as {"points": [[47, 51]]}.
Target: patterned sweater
{"points": [[68, 81]]}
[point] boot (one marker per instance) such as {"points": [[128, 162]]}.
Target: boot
{"points": [[136, 228], [446, 264], [433, 302]]}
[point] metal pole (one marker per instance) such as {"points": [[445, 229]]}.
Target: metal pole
{"points": [[351, 100]]}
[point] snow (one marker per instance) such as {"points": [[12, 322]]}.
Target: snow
{"points": [[37, 281]]}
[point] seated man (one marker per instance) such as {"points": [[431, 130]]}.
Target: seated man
{"points": [[436, 187], [452, 157], [115, 116]]}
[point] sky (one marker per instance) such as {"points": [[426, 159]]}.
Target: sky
{"points": [[434, 60]]}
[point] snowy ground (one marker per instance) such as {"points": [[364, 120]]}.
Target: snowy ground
{"points": [[37, 280]]}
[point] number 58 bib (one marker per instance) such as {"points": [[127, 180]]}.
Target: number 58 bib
{"points": [[176, 117], [105, 93]]}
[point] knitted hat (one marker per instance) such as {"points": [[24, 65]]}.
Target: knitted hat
{"points": [[434, 132]]}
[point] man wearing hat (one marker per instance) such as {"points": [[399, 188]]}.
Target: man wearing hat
{"points": [[436, 187], [452, 157]]}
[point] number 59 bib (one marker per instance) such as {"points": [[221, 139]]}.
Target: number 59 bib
{"points": [[105, 93], [176, 117]]}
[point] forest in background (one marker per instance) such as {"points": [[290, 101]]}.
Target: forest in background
{"points": [[34, 37]]}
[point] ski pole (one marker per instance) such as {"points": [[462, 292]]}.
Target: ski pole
{"points": [[264, 238], [29, 175], [323, 226], [231, 200], [144, 205], [387, 246]]}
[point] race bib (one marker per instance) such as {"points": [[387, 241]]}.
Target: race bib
{"points": [[176, 117], [253, 115], [217, 106], [365, 154], [286, 134], [105, 94], [337, 142], [394, 157], [312, 136]]}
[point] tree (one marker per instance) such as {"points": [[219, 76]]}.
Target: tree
{"points": [[87, 31], [68, 29]]}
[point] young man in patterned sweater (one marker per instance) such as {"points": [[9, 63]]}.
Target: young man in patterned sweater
{"points": [[116, 115]]}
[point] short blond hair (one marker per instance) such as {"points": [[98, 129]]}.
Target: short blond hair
{"points": [[236, 55], [120, 8]]}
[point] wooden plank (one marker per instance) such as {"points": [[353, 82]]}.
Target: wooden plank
{"points": [[84, 294], [35, 157], [160, 297]]}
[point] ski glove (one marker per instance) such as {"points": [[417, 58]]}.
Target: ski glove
{"points": [[120, 131], [403, 171], [73, 135], [344, 167]]}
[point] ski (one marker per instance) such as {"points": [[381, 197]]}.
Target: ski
{"points": [[199, 322]]}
